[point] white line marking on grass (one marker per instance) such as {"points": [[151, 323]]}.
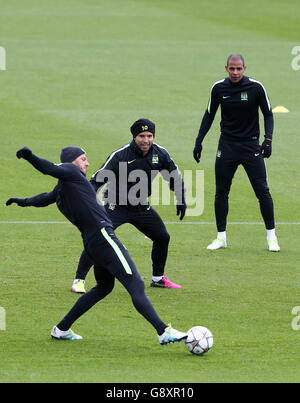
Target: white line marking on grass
{"points": [[229, 223], [166, 222], [34, 222]]}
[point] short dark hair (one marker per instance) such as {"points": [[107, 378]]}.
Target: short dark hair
{"points": [[235, 56]]}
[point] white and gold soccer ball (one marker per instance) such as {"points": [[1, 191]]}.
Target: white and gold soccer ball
{"points": [[199, 340]]}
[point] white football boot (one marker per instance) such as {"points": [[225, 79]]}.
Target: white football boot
{"points": [[58, 334], [171, 335], [217, 244], [78, 286], [273, 245]]}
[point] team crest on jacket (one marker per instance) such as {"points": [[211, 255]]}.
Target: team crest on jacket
{"points": [[155, 159], [244, 96]]}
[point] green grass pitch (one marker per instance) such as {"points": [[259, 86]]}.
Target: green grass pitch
{"points": [[80, 73]]}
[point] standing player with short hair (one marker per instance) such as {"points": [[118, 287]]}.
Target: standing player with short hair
{"points": [[240, 98], [76, 199]]}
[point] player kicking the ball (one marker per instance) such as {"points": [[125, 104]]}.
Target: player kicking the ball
{"points": [[76, 199]]}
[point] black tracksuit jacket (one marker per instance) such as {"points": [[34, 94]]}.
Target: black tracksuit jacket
{"points": [[240, 103], [74, 196], [129, 158]]}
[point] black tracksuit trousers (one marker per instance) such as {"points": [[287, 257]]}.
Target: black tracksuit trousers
{"points": [[147, 221], [112, 260], [230, 155]]}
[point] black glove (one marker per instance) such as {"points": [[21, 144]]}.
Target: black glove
{"points": [[197, 152], [19, 202], [181, 210], [266, 148], [24, 152]]}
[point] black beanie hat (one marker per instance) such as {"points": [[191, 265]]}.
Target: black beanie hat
{"points": [[142, 125], [70, 153]]}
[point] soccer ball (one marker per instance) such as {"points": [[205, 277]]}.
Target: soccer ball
{"points": [[199, 340]]}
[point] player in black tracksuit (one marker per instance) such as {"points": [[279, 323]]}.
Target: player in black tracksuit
{"points": [[240, 98], [124, 205], [76, 199]]}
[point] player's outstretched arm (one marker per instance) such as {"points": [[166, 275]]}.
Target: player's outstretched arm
{"points": [[46, 167], [19, 202], [40, 200]]}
